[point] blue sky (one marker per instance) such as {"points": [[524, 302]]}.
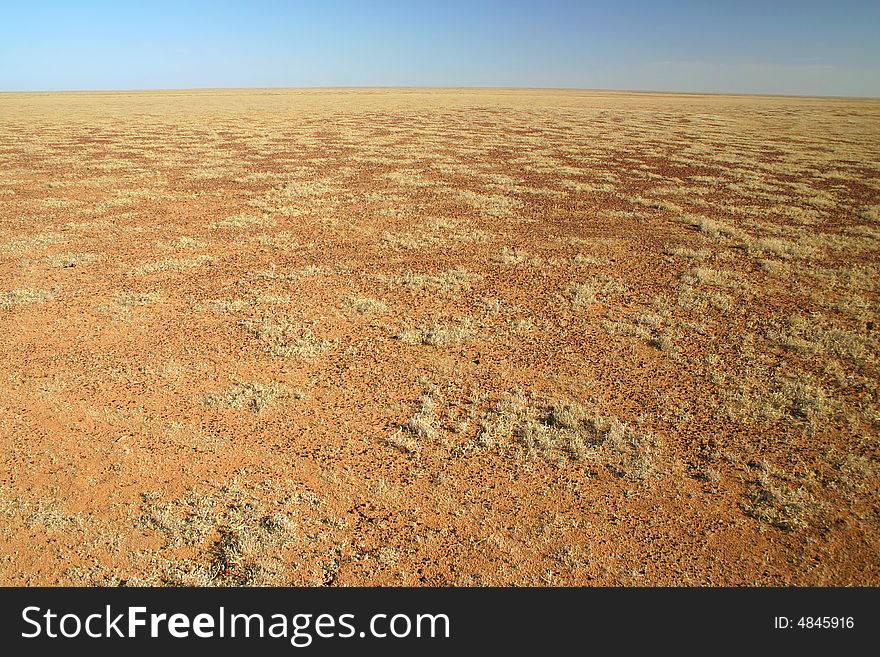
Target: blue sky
{"points": [[740, 46]]}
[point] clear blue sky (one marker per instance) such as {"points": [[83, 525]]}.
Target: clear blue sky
{"points": [[769, 46]]}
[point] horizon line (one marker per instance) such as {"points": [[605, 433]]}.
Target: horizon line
{"points": [[135, 90]]}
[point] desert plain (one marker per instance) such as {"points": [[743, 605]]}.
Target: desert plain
{"points": [[437, 337]]}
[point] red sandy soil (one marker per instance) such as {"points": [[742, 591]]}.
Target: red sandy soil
{"points": [[438, 337]]}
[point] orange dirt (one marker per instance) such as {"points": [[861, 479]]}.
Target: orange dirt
{"points": [[438, 337]]}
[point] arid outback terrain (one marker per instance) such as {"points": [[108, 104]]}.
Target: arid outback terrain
{"points": [[438, 337]]}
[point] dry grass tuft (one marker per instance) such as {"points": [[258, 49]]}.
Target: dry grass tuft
{"points": [[46, 515], [67, 260], [779, 505], [170, 264], [685, 252], [717, 278], [25, 296], [283, 241], [224, 536], [759, 397], [781, 248], [715, 227], [405, 241], [287, 338], [492, 205], [811, 336], [871, 213], [587, 260], [510, 256], [364, 306], [592, 290], [286, 275], [243, 221], [22, 245], [437, 334], [657, 204], [138, 298], [568, 432], [253, 397], [421, 426], [452, 280], [645, 326], [703, 300], [471, 236]]}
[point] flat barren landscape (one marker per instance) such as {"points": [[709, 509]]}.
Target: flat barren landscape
{"points": [[438, 337]]}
